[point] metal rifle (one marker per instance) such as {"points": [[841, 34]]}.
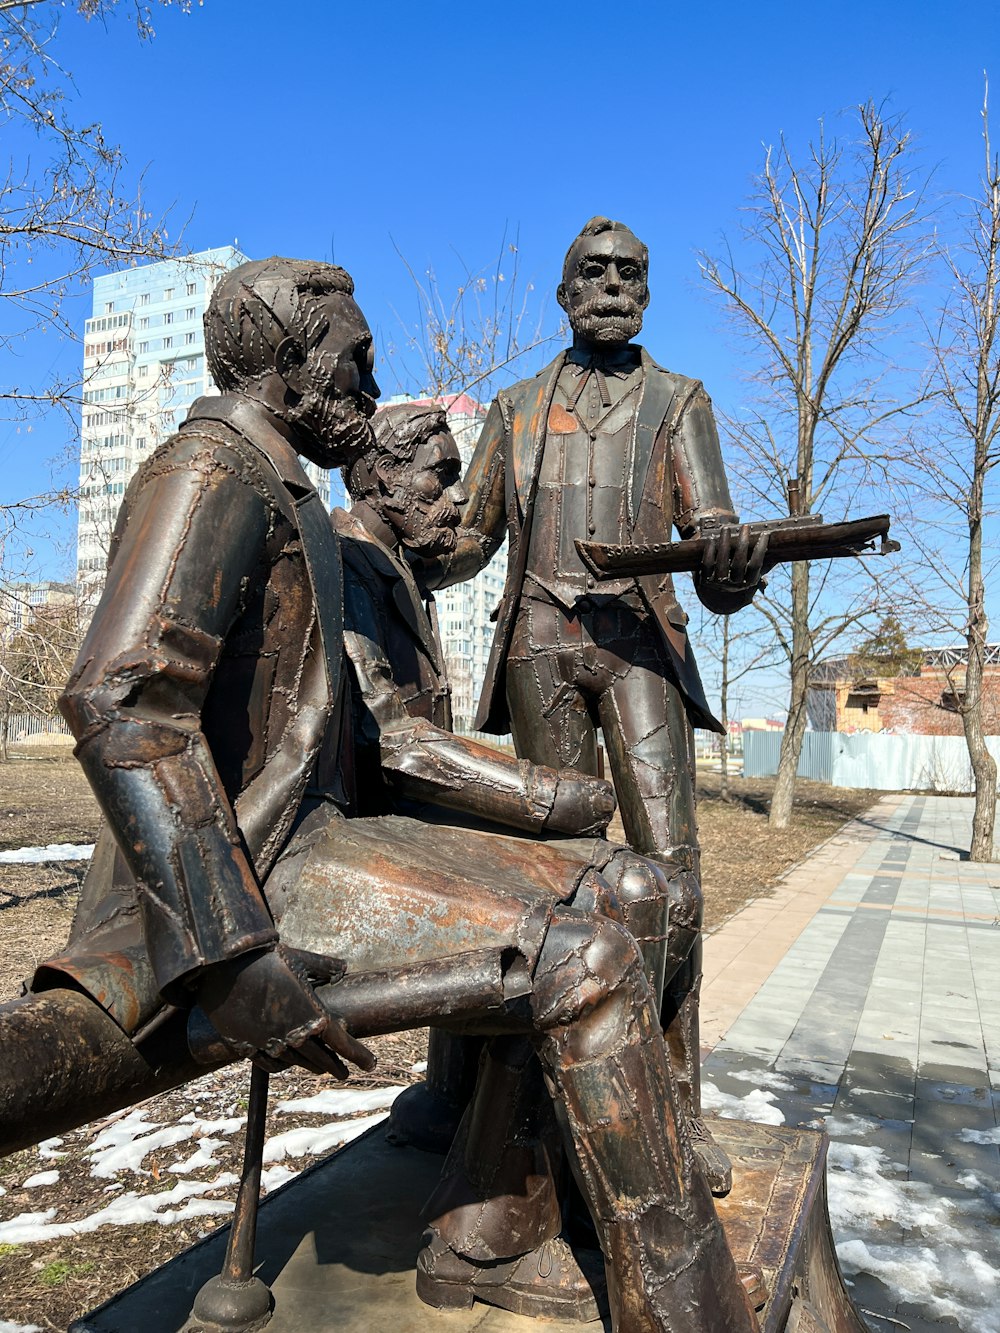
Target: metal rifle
{"points": [[801, 537]]}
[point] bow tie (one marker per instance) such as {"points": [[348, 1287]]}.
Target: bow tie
{"points": [[621, 362]]}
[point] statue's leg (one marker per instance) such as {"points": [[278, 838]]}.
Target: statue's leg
{"points": [[668, 1264], [596, 1028], [550, 720], [651, 753]]}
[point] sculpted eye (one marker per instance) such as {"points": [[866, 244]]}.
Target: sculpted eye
{"points": [[590, 268], [364, 354]]}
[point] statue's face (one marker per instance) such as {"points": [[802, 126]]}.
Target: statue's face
{"points": [[422, 500], [605, 291], [335, 386]]}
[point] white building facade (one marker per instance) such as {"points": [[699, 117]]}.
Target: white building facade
{"points": [[144, 365]]}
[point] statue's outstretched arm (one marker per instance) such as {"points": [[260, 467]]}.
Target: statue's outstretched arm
{"points": [[423, 762]]}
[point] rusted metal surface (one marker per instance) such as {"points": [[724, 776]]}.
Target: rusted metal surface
{"points": [[776, 1217], [803, 537], [606, 446], [211, 717], [66, 1062]]}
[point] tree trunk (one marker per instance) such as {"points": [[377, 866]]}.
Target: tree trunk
{"points": [[795, 726], [984, 767]]}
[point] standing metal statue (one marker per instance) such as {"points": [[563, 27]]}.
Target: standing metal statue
{"points": [[209, 711], [605, 445]]}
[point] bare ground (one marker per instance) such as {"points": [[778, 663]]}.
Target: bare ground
{"points": [[45, 799]]}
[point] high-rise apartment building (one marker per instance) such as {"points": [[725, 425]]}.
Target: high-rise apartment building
{"points": [[143, 365], [464, 610]]}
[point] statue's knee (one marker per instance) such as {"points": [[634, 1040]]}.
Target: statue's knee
{"points": [[687, 904], [637, 879], [584, 962]]}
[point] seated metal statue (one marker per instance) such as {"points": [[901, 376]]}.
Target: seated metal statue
{"points": [[209, 711]]}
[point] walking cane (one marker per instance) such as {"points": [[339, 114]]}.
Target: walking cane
{"points": [[236, 1301]]}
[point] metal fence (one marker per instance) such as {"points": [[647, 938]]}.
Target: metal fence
{"points": [[872, 760], [25, 726]]}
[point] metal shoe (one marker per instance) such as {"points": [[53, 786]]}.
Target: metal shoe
{"points": [[547, 1282], [714, 1162]]}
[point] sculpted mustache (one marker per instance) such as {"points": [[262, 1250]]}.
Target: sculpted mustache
{"points": [[601, 307]]}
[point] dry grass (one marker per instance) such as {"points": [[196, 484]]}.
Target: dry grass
{"points": [[45, 799]]}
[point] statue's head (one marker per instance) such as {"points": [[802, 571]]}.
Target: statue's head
{"points": [[604, 287], [289, 333], [409, 477]]}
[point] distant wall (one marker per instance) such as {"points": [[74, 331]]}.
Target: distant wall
{"points": [[868, 760]]}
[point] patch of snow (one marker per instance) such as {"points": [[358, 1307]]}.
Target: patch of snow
{"points": [[316, 1138], [273, 1176], [40, 1178], [47, 1148], [756, 1105], [763, 1078], [202, 1158], [980, 1135], [123, 1145], [419, 1068], [337, 1102], [936, 1267], [54, 851], [8, 1326], [129, 1209]]}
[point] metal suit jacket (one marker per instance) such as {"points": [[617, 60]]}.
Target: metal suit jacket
{"points": [[677, 478], [202, 707], [402, 748]]}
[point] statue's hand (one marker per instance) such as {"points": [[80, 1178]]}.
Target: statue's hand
{"points": [[582, 805], [263, 1006], [731, 569]]}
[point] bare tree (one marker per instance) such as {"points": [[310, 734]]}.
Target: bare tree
{"points": [[741, 645], [476, 339], [955, 466], [38, 644], [833, 248], [67, 209]]}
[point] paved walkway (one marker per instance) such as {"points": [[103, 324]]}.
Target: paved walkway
{"points": [[865, 995]]}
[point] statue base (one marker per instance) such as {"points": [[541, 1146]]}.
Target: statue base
{"points": [[337, 1246]]}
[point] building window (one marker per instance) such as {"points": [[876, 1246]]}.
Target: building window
{"points": [[143, 372], [952, 700], [167, 343], [168, 293], [189, 338], [168, 317], [109, 307], [191, 312], [144, 298], [143, 347], [191, 288], [144, 322], [140, 442]]}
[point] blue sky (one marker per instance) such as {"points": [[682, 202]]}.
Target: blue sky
{"points": [[329, 130]]}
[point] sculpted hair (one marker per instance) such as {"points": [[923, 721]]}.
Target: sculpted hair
{"points": [[256, 306], [595, 227], [398, 432]]}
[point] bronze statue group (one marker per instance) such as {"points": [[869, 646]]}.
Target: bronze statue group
{"points": [[262, 709]]}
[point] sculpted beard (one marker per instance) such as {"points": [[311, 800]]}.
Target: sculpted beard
{"points": [[337, 426], [425, 528], [603, 318]]}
